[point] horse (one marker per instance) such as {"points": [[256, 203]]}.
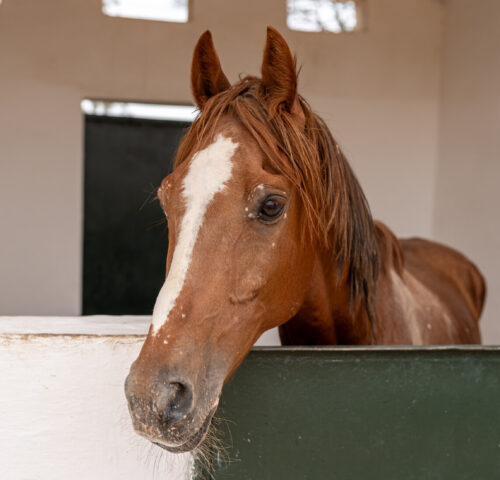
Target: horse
{"points": [[269, 227]]}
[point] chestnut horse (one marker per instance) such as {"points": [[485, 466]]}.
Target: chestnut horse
{"points": [[268, 227]]}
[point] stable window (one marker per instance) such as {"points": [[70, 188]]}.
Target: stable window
{"points": [[163, 10], [335, 16]]}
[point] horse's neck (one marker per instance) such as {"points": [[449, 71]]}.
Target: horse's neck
{"points": [[326, 316]]}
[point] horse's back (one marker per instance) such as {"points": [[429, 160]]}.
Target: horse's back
{"points": [[452, 277]]}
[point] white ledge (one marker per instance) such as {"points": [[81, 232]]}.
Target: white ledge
{"points": [[95, 325], [85, 325]]}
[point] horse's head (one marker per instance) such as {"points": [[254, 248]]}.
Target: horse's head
{"points": [[244, 205]]}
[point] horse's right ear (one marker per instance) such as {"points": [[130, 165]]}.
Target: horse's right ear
{"points": [[279, 76], [207, 77]]}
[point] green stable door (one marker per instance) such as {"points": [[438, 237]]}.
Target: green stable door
{"points": [[362, 413]]}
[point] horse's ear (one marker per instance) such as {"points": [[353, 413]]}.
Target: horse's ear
{"points": [[279, 76], [207, 77]]}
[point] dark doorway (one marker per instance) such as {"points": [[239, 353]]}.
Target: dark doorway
{"points": [[125, 237]]}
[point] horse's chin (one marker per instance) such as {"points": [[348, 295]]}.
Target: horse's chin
{"points": [[193, 441]]}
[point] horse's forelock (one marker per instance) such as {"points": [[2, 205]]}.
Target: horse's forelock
{"points": [[302, 148]]}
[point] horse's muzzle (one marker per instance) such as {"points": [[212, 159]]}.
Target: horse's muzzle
{"points": [[164, 412]]}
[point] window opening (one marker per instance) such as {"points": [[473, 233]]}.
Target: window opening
{"points": [[335, 16], [162, 10]]}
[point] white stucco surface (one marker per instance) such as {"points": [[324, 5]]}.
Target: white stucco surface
{"points": [[88, 325], [63, 413], [63, 410]]}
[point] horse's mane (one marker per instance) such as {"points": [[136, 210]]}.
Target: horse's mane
{"points": [[302, 148]]}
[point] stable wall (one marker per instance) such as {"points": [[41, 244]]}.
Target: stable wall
{"points": [[64, 412], [378, 90], [468, 176]]}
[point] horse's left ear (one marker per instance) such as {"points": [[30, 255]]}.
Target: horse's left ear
{"points": [[279, 76], [207, 77]]}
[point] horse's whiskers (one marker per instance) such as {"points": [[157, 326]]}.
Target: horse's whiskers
{"points": [[213, 453]]}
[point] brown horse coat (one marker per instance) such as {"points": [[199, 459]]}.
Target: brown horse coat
{"points": [[268, 226], [427, 294]]}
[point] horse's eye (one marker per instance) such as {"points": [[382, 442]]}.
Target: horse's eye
{"points": [[271, 208]]}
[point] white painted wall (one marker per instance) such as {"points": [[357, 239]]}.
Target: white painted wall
{"points": [[378, 90], [63, 412], [63, 409], [468, 176]]}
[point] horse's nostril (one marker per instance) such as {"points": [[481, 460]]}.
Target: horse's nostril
{"points": [[174, 401]]}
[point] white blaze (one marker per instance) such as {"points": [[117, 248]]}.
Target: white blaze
{"points": [[208, 173]]}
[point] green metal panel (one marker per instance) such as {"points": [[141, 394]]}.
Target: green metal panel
{"points": [[371, 413]]}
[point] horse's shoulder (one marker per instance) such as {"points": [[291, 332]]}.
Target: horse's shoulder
{"points": [[435, 263]]}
